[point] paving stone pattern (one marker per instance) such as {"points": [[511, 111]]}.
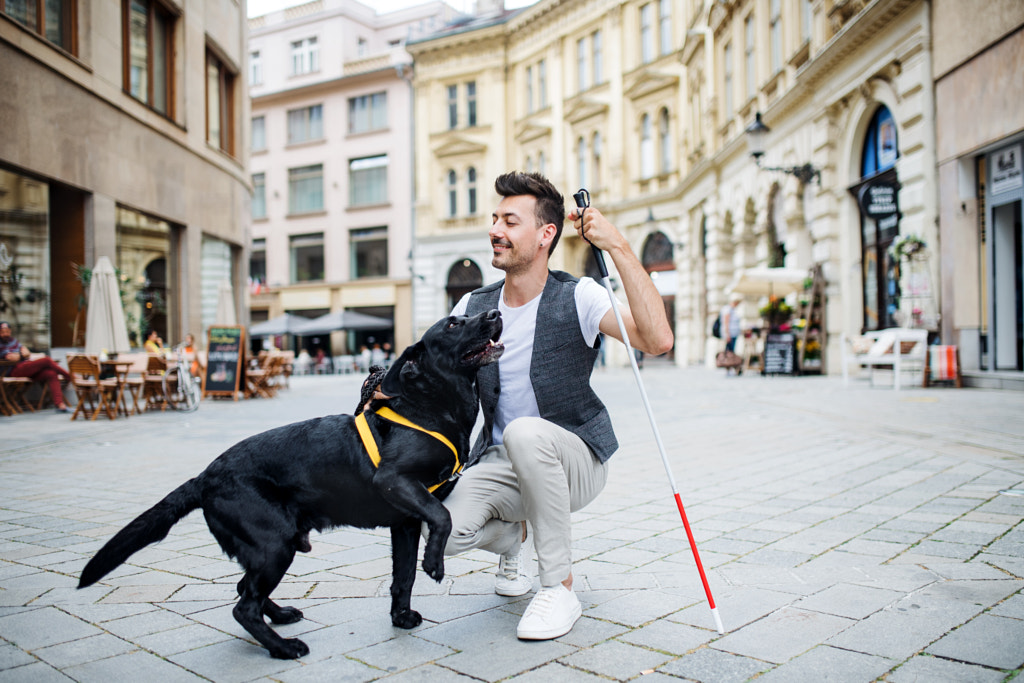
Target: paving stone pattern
{"points": [[848, 534]]}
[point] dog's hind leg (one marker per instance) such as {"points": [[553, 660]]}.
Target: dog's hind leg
{"points": [[405, 541], [276, 613], [257, 585]]}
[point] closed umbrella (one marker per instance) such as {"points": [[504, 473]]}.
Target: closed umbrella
{"points": [[226, 305], [105, 326]]}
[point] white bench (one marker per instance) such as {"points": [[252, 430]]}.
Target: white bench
{"points": [[898, 348]]}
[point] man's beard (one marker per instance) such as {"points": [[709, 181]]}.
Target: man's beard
{"points": [[512, 262]]}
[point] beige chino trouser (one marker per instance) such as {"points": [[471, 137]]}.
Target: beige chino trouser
{"points": [[541, 474]]}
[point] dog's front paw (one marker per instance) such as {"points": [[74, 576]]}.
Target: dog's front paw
{"points": [[289, 648], [285, 615], [408, 618], [434, 567]]}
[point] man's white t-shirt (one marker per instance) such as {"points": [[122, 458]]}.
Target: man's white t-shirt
{"points": [[518, 327]]}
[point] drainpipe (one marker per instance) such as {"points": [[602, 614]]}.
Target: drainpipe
{"points": [[405, 72]]}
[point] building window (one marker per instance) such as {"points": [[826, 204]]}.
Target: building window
{"points": [[581, 64], [596, 151], [148, 46], [453, 194], [368, 181], [255, 68], [529, 90], [775, 34], [306, 189], [805, 19], [362, 47], [748, 31], [471, 104], [369, 249], [453, 107], [529, 164], [727, 68], [665, 26], [542, 83], [646, 147], [220, 104], [307, 257], [54, 20], [305, 56], [542, 166], [471, 190], [597, 56], [646, 33], [258, 262], [305, 124], [581, 161], [664, 141], [259, 195], [368, 112], [259, 133]]}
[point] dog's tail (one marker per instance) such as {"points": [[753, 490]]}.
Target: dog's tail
{"points": [[149, 527]]}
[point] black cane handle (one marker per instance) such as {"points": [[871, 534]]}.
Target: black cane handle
{"points": [[582, 199]]}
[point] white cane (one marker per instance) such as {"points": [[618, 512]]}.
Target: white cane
{"points": [[582, 199]]}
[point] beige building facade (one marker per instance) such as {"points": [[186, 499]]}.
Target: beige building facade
{"points": [[124, 129], [646, 104], [332, 165], [979, 144]]}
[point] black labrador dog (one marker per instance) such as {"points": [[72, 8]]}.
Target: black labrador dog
{"points": [[263, 495]]}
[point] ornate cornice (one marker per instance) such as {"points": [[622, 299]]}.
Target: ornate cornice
{"points": [[450, 145], [580, 108], [645, 81]]}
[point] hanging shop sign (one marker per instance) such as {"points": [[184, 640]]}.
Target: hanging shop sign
{"points": [[880, 199], [1006, 170]]}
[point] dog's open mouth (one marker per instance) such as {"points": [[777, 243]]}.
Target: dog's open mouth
{"points": [[488, 353]]}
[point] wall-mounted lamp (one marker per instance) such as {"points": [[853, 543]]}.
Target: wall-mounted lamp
{"points": [[756, 133]]}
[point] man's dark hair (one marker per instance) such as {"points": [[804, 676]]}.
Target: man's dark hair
{"points": [[550, 203]]}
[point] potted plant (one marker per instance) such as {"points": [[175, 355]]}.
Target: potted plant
{"points": [[907, 247], [776, 312]]}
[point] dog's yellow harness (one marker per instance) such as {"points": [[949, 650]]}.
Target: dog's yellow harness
{"points": [[371, 445]]}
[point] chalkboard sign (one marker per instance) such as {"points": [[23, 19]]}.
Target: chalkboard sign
{"points": [[224, 362], [779, 354]]}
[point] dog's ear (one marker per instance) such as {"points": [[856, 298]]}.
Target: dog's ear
{"points": [[403, 369]]}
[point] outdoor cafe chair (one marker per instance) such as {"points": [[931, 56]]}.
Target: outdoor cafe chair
{"points": [[98, 394], [12, 391]]}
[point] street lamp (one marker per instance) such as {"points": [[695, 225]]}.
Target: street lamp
{"points": [[756, 133]]}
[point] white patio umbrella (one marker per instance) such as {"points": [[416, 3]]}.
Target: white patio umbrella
{"points": [[226, 305], [105, 327], [763, 281]]}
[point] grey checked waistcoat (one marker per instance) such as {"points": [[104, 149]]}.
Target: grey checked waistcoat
{"points": [[559, 369]]}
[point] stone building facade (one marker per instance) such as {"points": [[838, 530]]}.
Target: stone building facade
{"points": [[332, 165], [125, 129], [646, 103]]}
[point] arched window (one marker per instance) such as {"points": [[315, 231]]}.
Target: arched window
{"points": [[664, 141], [880, 145], [596, 152], [463, 278], [581, 161], [646, 147], [453, 200], [879, 269], [471, 190]]}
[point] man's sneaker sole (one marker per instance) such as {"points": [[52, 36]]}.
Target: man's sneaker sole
{"points": [[513, 589], [553, 632]]}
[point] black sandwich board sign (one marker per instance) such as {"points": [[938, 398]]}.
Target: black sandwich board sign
{"points": [[225, 368], [780, 353]]}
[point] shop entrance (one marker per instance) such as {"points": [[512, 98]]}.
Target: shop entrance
{"points": [[1002, 176]]}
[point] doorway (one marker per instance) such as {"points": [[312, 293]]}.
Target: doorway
{"points": [[1006, 300]]}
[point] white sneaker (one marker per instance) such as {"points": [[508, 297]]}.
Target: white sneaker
{"points": [[551, 614], [512, 579]]}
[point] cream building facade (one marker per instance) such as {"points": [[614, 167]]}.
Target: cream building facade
{"points": [[331, 164], [646, 104], [124, 135]]}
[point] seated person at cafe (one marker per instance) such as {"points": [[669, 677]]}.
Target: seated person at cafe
{"points": [[154, 344], [189, 348], [39, 370]]}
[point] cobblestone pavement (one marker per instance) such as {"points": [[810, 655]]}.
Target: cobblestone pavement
{"points": [[849, 534]]}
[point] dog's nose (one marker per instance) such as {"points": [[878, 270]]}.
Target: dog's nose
{"points": [[492, 314]]}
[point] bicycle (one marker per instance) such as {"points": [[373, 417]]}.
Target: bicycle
{"points": [[184, 391]]}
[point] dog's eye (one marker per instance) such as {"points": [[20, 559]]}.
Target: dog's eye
{"points": [[453, 324]]}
